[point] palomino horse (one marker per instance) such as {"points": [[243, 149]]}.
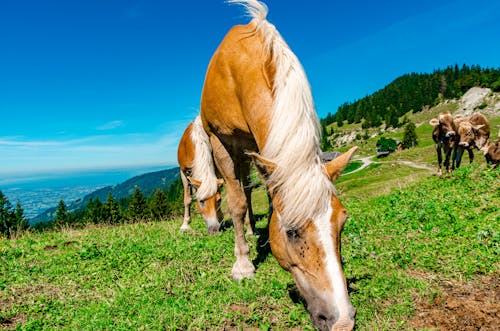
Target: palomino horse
{"points": [[197, 169], [194, 155], [256, 103]]}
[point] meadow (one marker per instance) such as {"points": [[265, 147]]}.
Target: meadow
{"points": [[420, 252], [398, 251]]}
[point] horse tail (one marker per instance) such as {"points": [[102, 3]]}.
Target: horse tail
{"points": [[256, 9], [293, 141], [203, 165]]}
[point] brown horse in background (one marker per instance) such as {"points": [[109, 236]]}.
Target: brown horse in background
{"points": [[256, 103], [194, 155]]}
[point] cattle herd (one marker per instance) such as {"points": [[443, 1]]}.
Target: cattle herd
{"points": [[454, 134]]}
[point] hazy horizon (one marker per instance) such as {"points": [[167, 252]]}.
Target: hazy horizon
{"points": [[37, 176]]}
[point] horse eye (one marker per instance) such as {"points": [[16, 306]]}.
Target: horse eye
{"points": [[293, 234]]}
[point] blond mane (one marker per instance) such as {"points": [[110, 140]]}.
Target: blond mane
{"points": [[203, 165], [293, 142]]}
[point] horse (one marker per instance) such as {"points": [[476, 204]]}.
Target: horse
{"points": [[194, 155], [257, 105]]}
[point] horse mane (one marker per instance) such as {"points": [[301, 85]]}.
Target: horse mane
{"points": [[203, 166], [293, 141]]}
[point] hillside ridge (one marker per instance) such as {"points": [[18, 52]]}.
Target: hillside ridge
{"points": [[147, 183]]}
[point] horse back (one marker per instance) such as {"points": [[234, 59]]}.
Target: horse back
{"points": [[186, 150], [237, 95]]}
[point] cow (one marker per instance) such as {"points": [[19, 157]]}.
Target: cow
{"points": [[473, 131], [493, 152], [443, 135]]}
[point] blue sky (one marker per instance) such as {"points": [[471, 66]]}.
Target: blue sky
{"points": [[109, 83]]}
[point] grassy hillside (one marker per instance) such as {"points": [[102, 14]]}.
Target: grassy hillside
{"points": [[148, 183], [401, 168], [397, 250], [420, 252]]}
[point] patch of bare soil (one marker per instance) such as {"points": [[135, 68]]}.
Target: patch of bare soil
{"points": [[473, 305], [12, 322]]}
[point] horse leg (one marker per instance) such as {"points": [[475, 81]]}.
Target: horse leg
{"points": [[237, 205], [187, 202], [249, 218]]}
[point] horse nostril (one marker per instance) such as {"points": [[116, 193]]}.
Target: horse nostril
{"points": [[322, 317]]}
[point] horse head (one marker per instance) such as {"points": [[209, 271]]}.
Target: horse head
{"points": [[311, 253], [209, 208]]}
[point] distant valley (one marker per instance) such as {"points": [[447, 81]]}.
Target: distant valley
{"points": [[40, 194]]}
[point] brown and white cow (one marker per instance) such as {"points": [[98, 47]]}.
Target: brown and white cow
{"points": [[493, 152], [444, 136], [473, 131]]}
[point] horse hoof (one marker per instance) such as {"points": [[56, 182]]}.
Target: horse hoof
{"points": [[185, 227], [243, 270]]}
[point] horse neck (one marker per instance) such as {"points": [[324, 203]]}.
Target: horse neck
{"points": [[293, 140]]}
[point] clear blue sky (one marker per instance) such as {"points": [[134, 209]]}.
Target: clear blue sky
{"points": [[105, 83]]}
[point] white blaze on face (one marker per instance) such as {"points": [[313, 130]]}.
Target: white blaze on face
{"points": [[333, 265]]}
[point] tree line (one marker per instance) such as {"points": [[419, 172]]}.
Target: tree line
{"points": [[412, 92], [162, 205]]}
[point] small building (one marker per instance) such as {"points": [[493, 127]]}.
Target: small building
{"points": [[328, 156]]}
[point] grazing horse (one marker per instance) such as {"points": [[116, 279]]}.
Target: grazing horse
{"points": [[257, 104], [197, 170]]}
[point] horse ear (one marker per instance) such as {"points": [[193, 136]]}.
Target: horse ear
{"points": [[194, 182], [335, 167], [265, 166], [220, 181], [434, 122]]}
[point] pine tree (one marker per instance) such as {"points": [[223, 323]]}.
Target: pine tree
{"points": [[6, 215], [160, 207], [325, 142], [175, 197], [20, 221], [111, 210], [94, 211], [61, 214], [410, 138], [138, 206]]}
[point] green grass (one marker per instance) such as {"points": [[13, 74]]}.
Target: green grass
{"points": [[440, 228], [407, 229], [147, 276], [377, 179], [150, 276]]}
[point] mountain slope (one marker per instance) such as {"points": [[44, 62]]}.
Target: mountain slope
{"points": [[148, 183], [413, 92]]}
